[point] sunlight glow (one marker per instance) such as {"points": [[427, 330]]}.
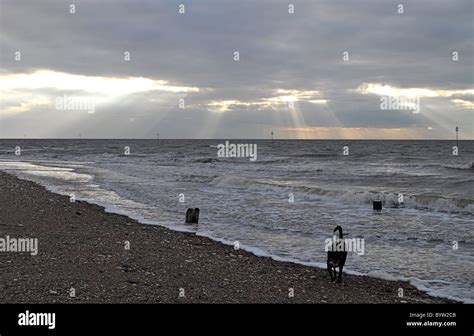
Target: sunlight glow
{"points": [[282, 97], [109, 86], [356, 132], [387, 90], [463, 103]]}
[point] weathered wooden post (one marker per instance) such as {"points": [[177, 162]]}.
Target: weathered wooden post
{"points": [[192, 216], [377, 205]]}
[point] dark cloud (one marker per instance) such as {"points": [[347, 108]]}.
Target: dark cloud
{"points": [[278, 50]]}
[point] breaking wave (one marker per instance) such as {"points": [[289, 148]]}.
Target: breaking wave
{"points": [[390, 199]]}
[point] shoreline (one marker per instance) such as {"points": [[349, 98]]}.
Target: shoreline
{"points": [[83, 247]]}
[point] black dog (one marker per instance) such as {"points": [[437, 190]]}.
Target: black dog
{"points": [[337, 258]]}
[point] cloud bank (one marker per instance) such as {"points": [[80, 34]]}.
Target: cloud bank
{"points": [[225, 69]]}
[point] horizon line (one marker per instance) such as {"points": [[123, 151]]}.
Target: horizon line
{"points": [[231, 138]]}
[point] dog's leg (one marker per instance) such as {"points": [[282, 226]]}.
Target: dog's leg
{"points": [[330, 268], [339, 278]]}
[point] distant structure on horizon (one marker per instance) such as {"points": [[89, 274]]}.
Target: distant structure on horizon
{"points": [[457, 138]]}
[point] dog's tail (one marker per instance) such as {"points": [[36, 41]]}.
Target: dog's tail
{"points": [[339, 228]]}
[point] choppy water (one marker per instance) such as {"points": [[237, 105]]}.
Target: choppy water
{"points": [[247, 201]]}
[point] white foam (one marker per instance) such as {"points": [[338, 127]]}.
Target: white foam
{"points": [[382, 275], [350, 195]]}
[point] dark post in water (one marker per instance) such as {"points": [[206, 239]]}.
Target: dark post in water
{"points": [[192, 216], [457, 139], [377, 205]]}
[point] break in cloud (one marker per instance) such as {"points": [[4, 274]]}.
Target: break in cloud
{"points": [[182, 79]]}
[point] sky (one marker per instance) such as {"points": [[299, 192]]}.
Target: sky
{"points": [[303, 69]]}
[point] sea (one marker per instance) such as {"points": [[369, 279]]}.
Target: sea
{"points": [[286, 203]]}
